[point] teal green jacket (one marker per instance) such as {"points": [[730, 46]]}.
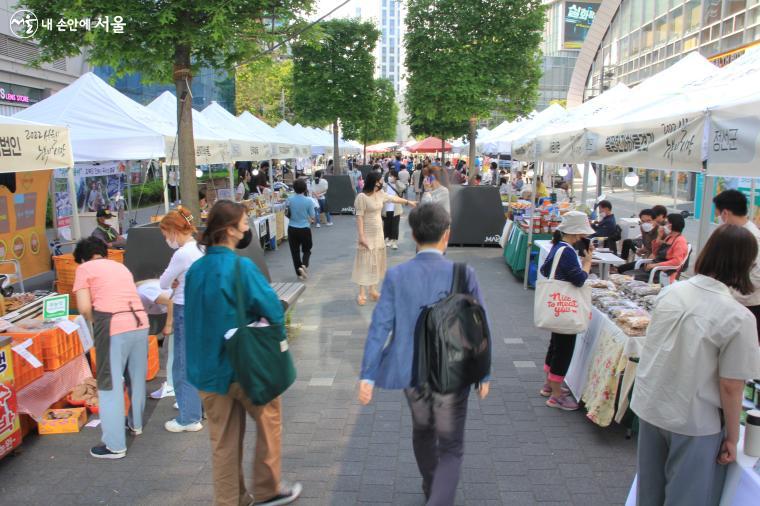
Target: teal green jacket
{"points": [[210, 311]]}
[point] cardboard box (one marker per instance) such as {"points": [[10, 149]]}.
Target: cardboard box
{"points": [[72, 423]]}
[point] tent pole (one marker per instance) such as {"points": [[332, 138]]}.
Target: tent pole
{"points": [[705, 218], [231, 170], [752, 188], [51, 190], [584, 188], [271, 173], [166, 187], [76, 229], [530, 226]]}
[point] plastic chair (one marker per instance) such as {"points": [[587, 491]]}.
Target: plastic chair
{"points": [[664, 277]]}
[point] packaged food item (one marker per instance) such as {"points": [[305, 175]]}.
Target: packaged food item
{"points": [[619, 279]]}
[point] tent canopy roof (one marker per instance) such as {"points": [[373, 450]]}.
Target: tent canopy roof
{"points": [[429, 145]]}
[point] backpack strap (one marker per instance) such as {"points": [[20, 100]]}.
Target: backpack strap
{"points": [[459, 281]]}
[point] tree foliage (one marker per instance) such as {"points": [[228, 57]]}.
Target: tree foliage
{"points": [[380, 123], [261, 86], [467, 59], [169, 41], [333, 75]]}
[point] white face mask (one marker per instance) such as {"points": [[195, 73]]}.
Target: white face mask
{"points": [[667, 229], [172, 243], [647, 227]]}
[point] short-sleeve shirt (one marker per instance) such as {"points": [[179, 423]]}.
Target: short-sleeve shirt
{"points": [[698, 335], [301, 208], [149, 291], [112, 290]]}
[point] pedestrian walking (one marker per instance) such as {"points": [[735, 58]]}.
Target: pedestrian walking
{"points": [[302, 213], [700, 348], [319, 191], [438, 420], [213, 284], [107, 296], [568, 238], [370, 262], [179, 232], [417, 179], [392, 211], [172, 183], [435, 191]]}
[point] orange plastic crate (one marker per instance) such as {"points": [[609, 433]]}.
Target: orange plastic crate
{"points": [[117, 255], [66, 288], [66, 267], [59, 348], [23, 372]]}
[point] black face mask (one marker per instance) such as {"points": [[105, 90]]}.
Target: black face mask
{"points": [[246, 240]]}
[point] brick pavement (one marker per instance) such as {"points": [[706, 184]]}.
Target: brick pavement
{"points": [[517, 450]]}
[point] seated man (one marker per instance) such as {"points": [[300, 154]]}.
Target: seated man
{"points": [[106, 232], [606, 226], [642, 246]]}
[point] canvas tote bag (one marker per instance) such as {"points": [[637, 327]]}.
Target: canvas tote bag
{"points": [[560, 306]]}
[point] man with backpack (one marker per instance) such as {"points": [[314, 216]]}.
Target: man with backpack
{"points": [[429, 336]]}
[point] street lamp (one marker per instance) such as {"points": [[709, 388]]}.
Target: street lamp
{"points": [[198, 173], [631, 180]]}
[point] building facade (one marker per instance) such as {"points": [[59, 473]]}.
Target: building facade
{"points": [[20, 84], [635, 39]]}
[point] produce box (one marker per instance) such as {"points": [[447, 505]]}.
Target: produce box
{"points": [[62, 421], [10, 428]]}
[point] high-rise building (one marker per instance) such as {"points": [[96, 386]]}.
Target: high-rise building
{"points": [[21, 85], [389, 17]]}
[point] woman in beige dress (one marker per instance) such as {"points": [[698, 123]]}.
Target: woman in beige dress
{"points": [[369, 266]]}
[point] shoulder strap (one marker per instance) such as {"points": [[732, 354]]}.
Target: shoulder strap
{"points": [[459, 281], [555, 263], [239, 295]]}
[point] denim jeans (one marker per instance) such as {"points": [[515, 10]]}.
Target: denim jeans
{"points": [[188, 400], [323, 209], [129, 350]]}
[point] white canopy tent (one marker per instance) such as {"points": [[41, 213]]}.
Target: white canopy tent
{"points": [[210, 146], [297, 132], [519, 149], [282, 146], [245, 144]]}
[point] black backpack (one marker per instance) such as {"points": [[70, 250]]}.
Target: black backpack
{"points": [[452, 340]]}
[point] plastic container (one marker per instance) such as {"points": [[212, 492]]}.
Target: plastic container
{"points": [[59, 348], [25, 373], [154, 365], [752, 433], [66, 267]]}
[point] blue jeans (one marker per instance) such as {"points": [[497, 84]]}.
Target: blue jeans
{"points": [[323, 209], [129, 350], [188, 400]]}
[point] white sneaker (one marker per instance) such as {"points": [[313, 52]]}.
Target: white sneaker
{"points": [[176, 405], [387, 243], [164, 391], [329, 223], [394, 244], [302, 274], [319, 226], [288, 494], [173, 426]]}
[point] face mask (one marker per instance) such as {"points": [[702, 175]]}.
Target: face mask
{"points": [[667, 229], [602, 214], [647, 227], [246, 240], [172, 243]]}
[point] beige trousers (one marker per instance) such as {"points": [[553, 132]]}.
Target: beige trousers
{"points": [[226, 423]]}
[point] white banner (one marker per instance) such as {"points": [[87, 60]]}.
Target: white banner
{"points": [[733, 141]]}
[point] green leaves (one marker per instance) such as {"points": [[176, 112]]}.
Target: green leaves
{"points": [[260, 87], [332, 76], [379, 123], [468, 59]]}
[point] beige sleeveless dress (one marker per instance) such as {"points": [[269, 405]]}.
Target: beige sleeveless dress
{"points": [[370, 264]]}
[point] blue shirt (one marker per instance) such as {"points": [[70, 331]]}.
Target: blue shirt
{"points": [[407, 289], [301, 208], [569, 267], [210, 311]]}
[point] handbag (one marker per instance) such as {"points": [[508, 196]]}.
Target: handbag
{"points": [[260, 356], [560, 306]]}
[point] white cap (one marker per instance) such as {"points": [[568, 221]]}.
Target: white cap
{"points": [[576, 223]]}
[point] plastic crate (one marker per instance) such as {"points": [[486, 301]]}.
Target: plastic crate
{"points": [[66, 267], [59, 348], [117, 255], [24, 373], [66, 288]]}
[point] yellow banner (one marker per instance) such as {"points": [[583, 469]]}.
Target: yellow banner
{"points": [[22, 223]]}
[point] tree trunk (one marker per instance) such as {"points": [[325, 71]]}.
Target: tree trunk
{"points": [[472, 155], [188, 184], [336, 148]]}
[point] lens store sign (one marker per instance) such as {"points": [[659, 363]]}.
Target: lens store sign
{"points": [[9, 96]]}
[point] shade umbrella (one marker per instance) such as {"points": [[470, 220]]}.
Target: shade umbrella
{"points": [[430, 145]]}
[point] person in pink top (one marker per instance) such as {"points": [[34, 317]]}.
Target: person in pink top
{"points": [[107, 296], [670, 248]]}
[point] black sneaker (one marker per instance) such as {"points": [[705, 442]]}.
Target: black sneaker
{"points": [[288, 494], [102, 452]]}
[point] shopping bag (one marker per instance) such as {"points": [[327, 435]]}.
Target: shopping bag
{"points": [[560, 306], [259, 355]]}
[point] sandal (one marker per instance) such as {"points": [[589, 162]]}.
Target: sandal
{"points": [[361, 300], [375, 296]]}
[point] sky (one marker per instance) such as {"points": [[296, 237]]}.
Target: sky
{"points": [[325, 6]]}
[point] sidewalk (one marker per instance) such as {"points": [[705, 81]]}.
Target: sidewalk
{"points": [[517, 451]]}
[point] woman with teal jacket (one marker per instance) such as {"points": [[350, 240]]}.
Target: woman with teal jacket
{"points": [[210, 311]]}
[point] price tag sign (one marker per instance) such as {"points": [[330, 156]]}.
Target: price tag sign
{"points": [[55, 308]]}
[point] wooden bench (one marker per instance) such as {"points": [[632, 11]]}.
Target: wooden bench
{"points": [[288, 293]]}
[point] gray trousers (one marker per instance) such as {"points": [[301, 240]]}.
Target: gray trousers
{"points": [[128, 350], [438, 440], [677, 470]]}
